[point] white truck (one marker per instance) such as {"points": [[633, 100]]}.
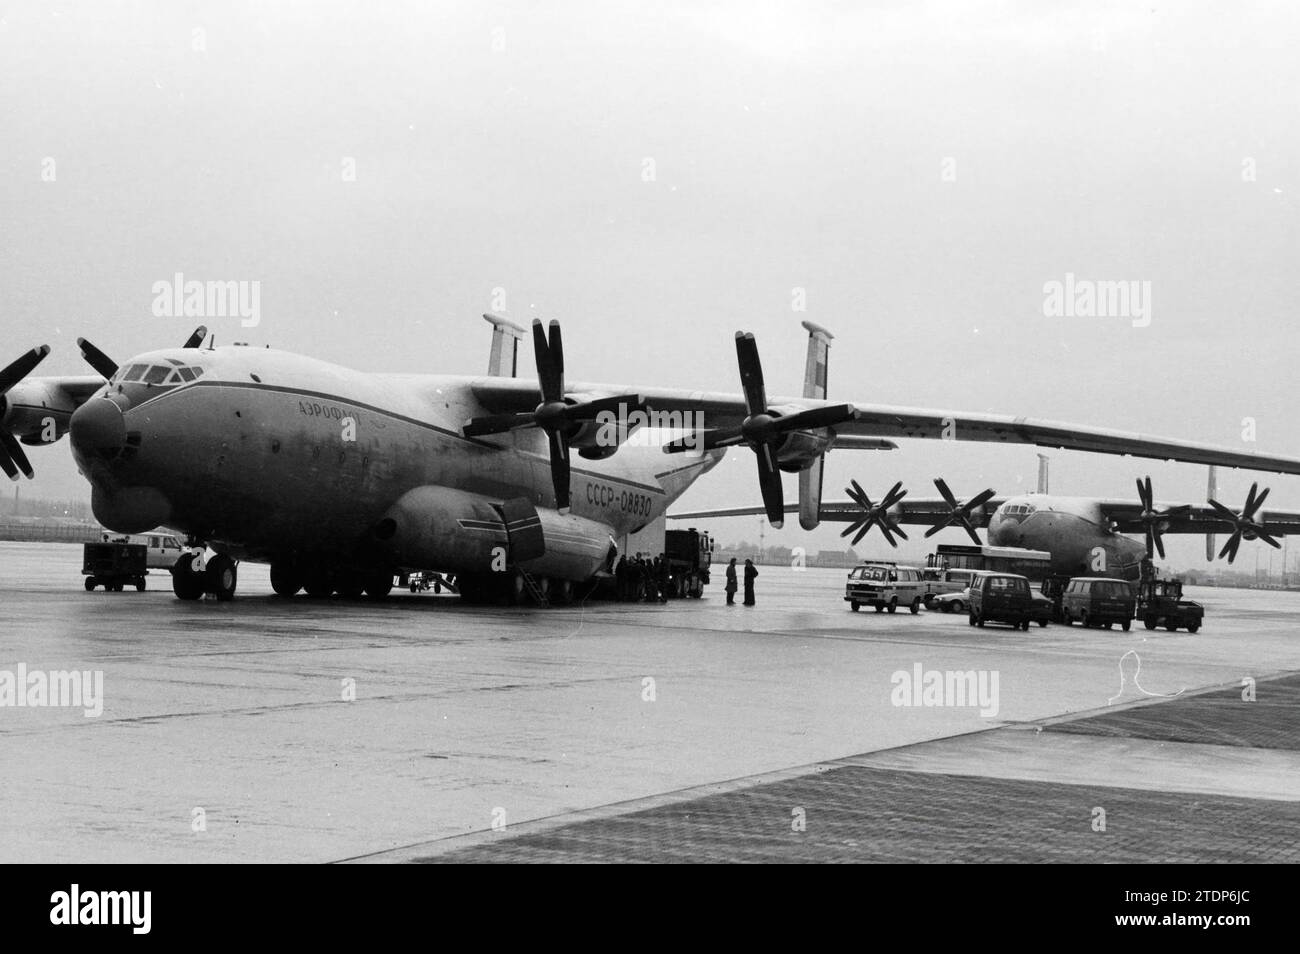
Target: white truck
{"points": [[161, 549]]}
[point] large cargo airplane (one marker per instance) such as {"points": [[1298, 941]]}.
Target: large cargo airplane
{"points": [[338, 478], [1084, 535]]}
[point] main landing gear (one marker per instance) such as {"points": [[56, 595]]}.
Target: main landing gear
{"points": [[288, 580], [219, 577]]}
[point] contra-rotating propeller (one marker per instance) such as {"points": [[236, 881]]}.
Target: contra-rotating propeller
{"points": [[1153, 519], [875, 514], [959, 513], [1244, 524], [559, 417], [764, 428], [12, 457]]}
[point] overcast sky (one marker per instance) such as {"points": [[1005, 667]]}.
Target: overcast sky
{"points": [[920, 171]]}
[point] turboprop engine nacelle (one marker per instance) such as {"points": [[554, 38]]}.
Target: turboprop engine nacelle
{"points": [[35, 412], [800, 449], [448, 529]]}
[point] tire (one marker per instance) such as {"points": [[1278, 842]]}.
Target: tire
{"points": [[1107, 624], [970, 619], [90, 583], [139, 586], [893, 605], [1193, 627], [379, 586], [958, 606], [285, 581], [350, 586], [1149, 622], [1065, 618], [1083, 620], [220, 577], [880, 608], [1171, 625], [979, 621], [186, 584], [318, 585], [915, 607], [1127, 624], [855, 605], [1042, 624]]}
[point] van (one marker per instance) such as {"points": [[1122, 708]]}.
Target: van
{"points": [[1006, 598], [1098, 601], [942, 582], [886, 586]]}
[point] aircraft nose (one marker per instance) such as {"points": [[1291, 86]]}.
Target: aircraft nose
{"points": [[98, 428]]}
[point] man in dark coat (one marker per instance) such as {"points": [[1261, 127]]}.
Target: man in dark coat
{"points": [[731, 582], [750, 573]]}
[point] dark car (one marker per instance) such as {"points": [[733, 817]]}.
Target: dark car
{"points": [[1098, 601], [1006, 598]]}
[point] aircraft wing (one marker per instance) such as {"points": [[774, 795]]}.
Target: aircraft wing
{"points": [[721, 410], [918, 511], [1197, 518]]}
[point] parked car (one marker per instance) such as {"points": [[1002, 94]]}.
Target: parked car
{"points": [[1161, 602], [1006, 598], [1098, 601], [943, 582], [886, 586], [950, 602]]}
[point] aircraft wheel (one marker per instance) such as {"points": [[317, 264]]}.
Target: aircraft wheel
{"points": [[893, 605], [187, 584], [318, 584], [220, 577], [379, 586], [350, 586], [90, 583], [562, 592], [916, 606], [285, 580]]}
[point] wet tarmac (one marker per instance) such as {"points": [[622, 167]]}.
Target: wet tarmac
{"points": [[301, 730]]}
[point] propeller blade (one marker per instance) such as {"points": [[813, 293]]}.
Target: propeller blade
{"points": [[866, 525], [894, 496], [751, 374], [590, 410], [769, 482], [884, 528], [947, 494], [196, 339], [1247, 510], [1250, 512], [550, 362], [722, 437], [23, 366], [6, 464], [497, 424], [11, 449], [560, 470], [816, 417], [1230, 547], [970, 529], [1267, 538], [97, 359]]}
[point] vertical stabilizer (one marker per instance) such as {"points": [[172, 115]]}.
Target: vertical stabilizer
{"points": [[503, 362], [814, 386]]}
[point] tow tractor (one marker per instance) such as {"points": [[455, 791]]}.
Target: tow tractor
{"points": [[121, 560], [1161, 601]]}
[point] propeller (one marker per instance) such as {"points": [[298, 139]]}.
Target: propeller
{"points": [[12, 457], [1151, 518], [959, 513], [763, 428], [1244, 524], [196, 339], [875, 514], [101, 362], [559, 417]]}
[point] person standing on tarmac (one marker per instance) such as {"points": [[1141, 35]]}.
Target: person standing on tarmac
{"points": [[750, 573], [731, 582]]}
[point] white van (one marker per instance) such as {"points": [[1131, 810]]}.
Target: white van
{"points": [[886, 586], [162, 549]]}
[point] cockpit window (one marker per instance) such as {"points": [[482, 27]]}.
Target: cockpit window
{"points": [[135, 372], [186, 374], [156, 374]]}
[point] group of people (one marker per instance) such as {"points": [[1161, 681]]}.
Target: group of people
{"points": [[750, 572], [641, 580]]}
